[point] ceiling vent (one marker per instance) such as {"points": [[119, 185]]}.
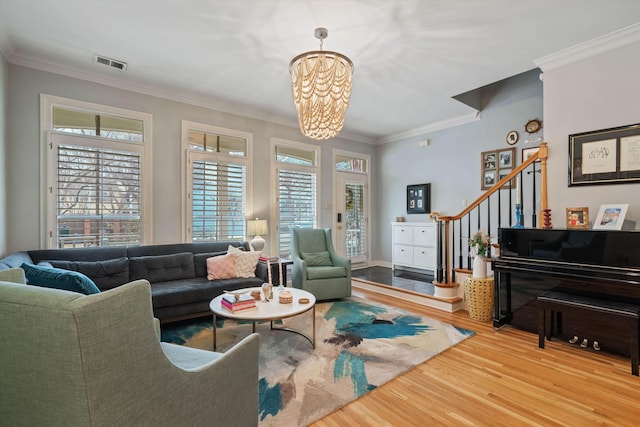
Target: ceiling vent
{"points": [[120, 65]]}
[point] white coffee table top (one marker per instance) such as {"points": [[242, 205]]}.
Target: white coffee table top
{"points": [[271, 310]]}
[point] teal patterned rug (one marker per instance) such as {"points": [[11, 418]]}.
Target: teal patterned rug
{"points": [[359, 346]]}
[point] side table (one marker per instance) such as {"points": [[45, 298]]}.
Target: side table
{"points": [[478, 294], [275, 273]]}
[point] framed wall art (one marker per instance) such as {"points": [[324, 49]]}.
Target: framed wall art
{"points": [[418, 198], [495, 165], [528, 152], [607, 156], [610, 217], [577, 217]]}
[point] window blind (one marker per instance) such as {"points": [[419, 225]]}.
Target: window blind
{"points": [[98, 197], [297, 203], [218, 201]]}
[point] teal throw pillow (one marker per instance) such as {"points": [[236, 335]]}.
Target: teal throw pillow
{"points": [[59, 278], [317, 259]]}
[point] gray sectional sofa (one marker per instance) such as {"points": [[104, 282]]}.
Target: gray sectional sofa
{"points": [[177, 272]]}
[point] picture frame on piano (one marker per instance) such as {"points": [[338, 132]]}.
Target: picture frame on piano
{"points": [[610, 217], [577, 218]]}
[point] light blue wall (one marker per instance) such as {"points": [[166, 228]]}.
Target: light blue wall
{"points": [[23, 149], [451, 162]]}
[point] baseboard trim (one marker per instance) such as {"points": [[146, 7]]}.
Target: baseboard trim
{"points": [[449, 305]]}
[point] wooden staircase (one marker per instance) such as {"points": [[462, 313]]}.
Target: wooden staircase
{"points": [[455, 263]]}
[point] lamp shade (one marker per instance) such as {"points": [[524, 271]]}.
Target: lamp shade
{"points": [[257, 227]]}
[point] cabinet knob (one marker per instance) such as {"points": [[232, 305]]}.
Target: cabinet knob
{"points": [[422, 231]]}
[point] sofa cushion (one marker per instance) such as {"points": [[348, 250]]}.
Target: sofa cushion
{"points": [[317, 259], [314, 273], [15, 275], [200, 261], [221, 267], [15, 260], [162, 268], [198, 289], [59, 279], [106, 274], [246, 262]]}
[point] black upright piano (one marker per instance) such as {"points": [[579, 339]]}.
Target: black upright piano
{"points": [[599, 263]]}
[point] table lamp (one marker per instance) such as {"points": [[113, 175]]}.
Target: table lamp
{"points": [[255, 228]]}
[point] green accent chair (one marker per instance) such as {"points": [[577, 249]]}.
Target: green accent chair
{"points": [[69, 359], [317, 268]]}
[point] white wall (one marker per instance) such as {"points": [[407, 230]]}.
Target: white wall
{"points": [[3, 158], [23, 149], [599, 92]]}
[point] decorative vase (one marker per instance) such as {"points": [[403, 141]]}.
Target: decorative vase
{"points": [[479, 267]]}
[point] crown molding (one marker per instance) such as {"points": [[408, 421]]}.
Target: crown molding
{"points": [[613, 40], [444, 124], [111, 79]]}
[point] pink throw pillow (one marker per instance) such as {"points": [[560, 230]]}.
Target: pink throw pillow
{"points": [[221, 267]]}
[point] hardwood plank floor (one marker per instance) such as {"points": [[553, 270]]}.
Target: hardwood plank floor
{"points": [[499, 378]]}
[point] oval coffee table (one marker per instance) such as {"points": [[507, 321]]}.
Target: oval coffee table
{"points": [[268, 311]]}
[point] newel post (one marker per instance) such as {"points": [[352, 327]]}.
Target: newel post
{"points": [[543, 154]]}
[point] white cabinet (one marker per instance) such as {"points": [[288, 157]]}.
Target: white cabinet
{"points": [[415, 244]]}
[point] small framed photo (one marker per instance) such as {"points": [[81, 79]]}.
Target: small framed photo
{"points": [[489, 178], [610, 217], [418, 198], [502, 175], [577, 217], [505, 158], [528, 152]]}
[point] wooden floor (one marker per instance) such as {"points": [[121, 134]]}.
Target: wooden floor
{"points": [[500, 378]]}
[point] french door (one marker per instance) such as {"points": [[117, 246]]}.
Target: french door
{"points": [[352, 219]]}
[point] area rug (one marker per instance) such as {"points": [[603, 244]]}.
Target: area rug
{"points": [[359, 346]]}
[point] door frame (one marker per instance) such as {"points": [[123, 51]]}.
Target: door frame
{"points": [[340, 178]]}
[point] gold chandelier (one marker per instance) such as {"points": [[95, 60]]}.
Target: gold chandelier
{"points": [[321, 85]]}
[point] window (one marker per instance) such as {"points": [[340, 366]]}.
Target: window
{"points": [[351, 164], [217, 165], [97, 174], [297, 187]]}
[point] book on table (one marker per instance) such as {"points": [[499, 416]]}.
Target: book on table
{"points": [[267, 258], [243, 302]]}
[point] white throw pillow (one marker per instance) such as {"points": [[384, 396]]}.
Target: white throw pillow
{"points": [[246, 262]]}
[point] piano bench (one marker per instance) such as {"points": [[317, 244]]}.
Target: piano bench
{"points": [[552, 304]]}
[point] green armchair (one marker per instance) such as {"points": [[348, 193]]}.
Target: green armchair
{"points": [[316, 266], [96, 360]]}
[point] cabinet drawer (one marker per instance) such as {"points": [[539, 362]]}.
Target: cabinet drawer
{"points": [[402, 235], [424, 236], [402, 254], [424, 258]]}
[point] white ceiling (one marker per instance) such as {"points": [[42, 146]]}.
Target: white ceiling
{"points": [[410, 56]]}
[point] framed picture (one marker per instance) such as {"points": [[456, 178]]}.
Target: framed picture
{"points": [[418, 198], [495, 165], [607, 156], [610, 217], [577, 217], [528, 152]]}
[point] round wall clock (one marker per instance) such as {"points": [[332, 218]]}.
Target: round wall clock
{"points": [[533, 126], [512, 137]]}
